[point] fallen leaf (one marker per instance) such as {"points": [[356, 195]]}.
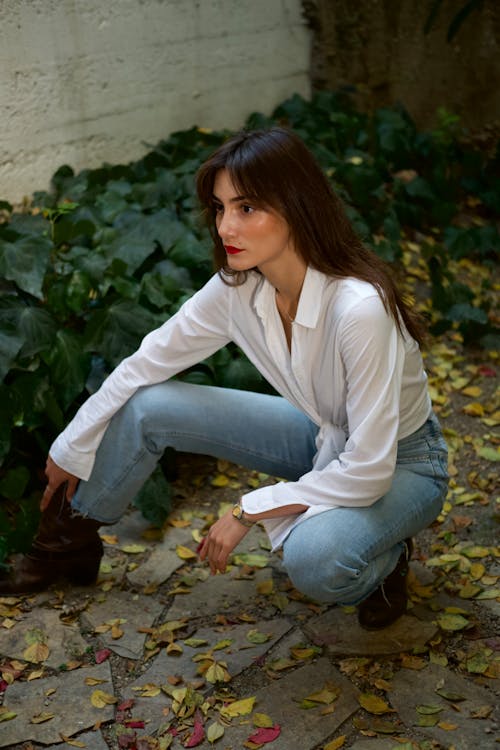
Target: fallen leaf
{"points": [[242, 707], [220, 480], [37, 652], [327, 694], [373, 704], [254, 636], [452, 622], [214, 732], [133, 549], [335, 744], [100, 699], [262, 720], [6, 714], [41, 717], [102, 655], [185, 553], [263, 735], [72, 743], [447, 726], [198, 734]]}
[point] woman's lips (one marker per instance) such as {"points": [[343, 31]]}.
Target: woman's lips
{"points": [[233, 250]]}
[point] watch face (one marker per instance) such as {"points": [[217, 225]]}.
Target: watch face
{"points": [[237, 511]]}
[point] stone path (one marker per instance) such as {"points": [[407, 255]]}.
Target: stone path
{"points": [[159, 649]]}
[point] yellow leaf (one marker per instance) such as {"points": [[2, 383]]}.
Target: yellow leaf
{"points": [[100, 699], [327, 694], [262, 720], [109, 538], [221, 480], [69, 741], [373, 704], [215, 673], [6, 715], [116, 632], [242, 707], [185, 553], [475, 409], [36, 652], [452, 622], [35, 675], [265, 587], [447, 726], [41, 718], [413, 662], [477, 571], [92, 681], [469, 591], [173, 649], [336, 744], [133, 549], [474, 391], [476, 551], [214, 732]]}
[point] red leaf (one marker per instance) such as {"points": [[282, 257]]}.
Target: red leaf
{"points": [[134, 724], [265, 734], [125, 705], [198, 734], [3, 686], [486, 371], [102, 655]]}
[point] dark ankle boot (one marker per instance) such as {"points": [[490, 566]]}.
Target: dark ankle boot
{"points": [[388, 602], [65, 546]]}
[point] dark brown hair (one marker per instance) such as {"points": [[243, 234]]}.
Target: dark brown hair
{"points": [[275, 168]]}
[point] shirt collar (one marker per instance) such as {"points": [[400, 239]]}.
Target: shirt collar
{"points": [[310, 302]]}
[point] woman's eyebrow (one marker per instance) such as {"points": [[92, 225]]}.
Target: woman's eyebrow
{"points": [[236, 199]]}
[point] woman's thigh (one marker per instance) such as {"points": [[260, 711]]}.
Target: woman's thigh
{"points": [[256, 430]]}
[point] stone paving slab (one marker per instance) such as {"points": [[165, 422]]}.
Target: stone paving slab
{"points": [[66, 696], [239, 655], [139, 612], [300, 728], [92, 741], [219, 594], [64, 641], [340, 632], [411, 689]]}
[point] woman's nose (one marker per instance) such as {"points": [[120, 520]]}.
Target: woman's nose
{"points": [[226, 226]]}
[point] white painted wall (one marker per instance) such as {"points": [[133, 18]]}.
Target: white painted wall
{"points": [[88, 81]]}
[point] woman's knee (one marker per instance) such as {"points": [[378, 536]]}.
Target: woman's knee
{"points": [[327, 576]]}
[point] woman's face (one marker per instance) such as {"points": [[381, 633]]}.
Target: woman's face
{"points": [[252, 236]]}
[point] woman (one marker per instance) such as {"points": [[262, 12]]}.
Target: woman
{"points": [[353, 430]]}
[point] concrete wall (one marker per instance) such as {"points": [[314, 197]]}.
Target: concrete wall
{"points": [[87, 81]]}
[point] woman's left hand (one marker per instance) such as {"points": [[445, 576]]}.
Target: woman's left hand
{"points": [[224, 535]]}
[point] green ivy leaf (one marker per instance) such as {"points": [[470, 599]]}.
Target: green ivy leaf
{"points": [[25, 262], [69, 366], [117, 331]]}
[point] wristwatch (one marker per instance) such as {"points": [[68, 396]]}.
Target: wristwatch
{"points": [[239, 513]]}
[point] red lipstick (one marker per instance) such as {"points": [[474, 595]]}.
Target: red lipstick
{"points": [[230, 250]]}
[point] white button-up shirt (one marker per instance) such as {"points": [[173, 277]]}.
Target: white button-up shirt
{"points": [[349, 370]]}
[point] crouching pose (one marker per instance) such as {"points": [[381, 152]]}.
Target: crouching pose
{"points": [[352, 430]]}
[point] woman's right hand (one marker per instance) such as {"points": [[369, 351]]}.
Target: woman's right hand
{"points": [[55, 477]]}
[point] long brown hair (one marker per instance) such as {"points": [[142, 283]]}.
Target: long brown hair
{"points": [[275, 168]]}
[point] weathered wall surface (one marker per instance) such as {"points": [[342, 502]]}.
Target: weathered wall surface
{"points": [[380, 46], [88, 81]]}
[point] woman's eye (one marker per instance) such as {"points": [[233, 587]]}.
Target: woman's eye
{"points": [[247, 209], [218, 208]]}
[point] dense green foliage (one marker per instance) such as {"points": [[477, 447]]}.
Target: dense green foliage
{"points": [[109, 253]]}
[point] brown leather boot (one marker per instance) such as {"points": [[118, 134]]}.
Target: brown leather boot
{"points": [[65, 546], [388, 602]]}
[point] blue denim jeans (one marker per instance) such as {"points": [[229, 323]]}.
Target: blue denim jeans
{"points": [[340, 555]]}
